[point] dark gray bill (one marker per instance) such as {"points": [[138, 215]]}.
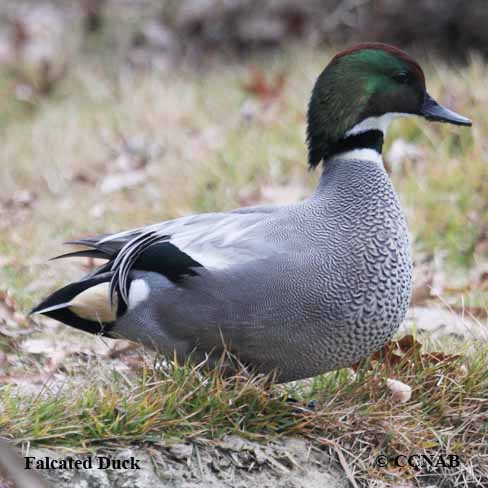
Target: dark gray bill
{"points": [[431, 110]]}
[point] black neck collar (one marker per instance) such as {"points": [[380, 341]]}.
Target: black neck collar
{"points": [[371, 139]]}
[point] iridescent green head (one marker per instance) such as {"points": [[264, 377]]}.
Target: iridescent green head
{"points": [[359, 92]]}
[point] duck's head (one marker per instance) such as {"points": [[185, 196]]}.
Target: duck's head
{"points": [[358, 94]]}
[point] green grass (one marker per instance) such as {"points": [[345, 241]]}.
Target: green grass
{"points": [[448, 411], [178, 402]]}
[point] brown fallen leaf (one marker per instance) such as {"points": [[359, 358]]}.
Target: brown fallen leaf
{"points": [[267, 91], [408, 345], [439, 357], [483, 280], [19, 35], [393, 352], [406, 351], [481, 247], [120, 348], [8, 302], [12, 322], [421, 293], [83, 177]]}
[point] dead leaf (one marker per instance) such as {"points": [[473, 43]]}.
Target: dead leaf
{"points": [[393, 352], [83, 177], [19, 35], [406, 352], [483, 279], [408, 345], [12, 322], [7, 301], [421, 294], [439, 357], [120, 348], [267, 91], [481, 248]]}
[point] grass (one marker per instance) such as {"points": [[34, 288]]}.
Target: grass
{"points": [[220, 147], [353, 413], [179, 400]]}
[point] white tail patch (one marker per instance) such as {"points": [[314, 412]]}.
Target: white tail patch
{"points": [[138, 292], [94, 304]]}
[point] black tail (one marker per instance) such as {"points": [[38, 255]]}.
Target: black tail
{"points": [[60, 305]]}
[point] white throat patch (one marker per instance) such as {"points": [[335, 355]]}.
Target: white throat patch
{"points": [[375, 123], [362, 155]]}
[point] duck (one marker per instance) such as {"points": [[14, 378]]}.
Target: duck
{"points": [[295, 290]]}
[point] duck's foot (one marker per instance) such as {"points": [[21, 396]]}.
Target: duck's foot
{"points": [[300, 406]]}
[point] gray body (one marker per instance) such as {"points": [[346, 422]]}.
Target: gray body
{"points": [[326, 282], [300, 289]]}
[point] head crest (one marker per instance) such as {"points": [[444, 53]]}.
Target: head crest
{"points": [[380, 46]]}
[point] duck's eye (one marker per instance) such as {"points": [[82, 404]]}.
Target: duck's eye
{"points": [[403, 77]]}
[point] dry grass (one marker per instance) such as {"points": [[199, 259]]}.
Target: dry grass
{"points": [[353, 415]]}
